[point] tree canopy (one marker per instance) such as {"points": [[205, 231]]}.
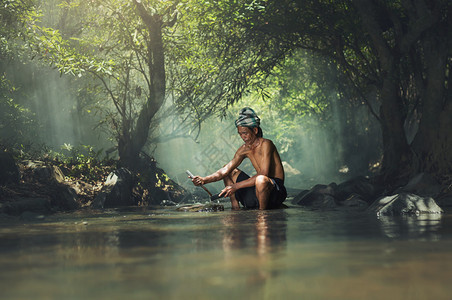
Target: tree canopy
{"points": [[398, 52], [195, 58]]}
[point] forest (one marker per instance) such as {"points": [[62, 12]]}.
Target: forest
{"points": [[344, 88]]}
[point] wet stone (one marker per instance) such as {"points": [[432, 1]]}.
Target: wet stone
{"points": [[404, 204]]}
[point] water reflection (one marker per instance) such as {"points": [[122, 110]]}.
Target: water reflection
{"points": [[248, 254], [267, 233], [264, 233], [422, 227]]}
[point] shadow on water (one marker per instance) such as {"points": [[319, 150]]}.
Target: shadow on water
{"points": [[248, 254]]}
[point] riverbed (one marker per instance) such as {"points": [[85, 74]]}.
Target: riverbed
{"points": [[162, 253]]}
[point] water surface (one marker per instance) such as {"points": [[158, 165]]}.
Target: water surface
{"points": [[161, 253]]}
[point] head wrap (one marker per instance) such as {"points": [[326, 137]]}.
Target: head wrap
{"points": [[247, 118]]}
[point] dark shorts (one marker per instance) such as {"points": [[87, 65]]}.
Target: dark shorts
{"points": [[247, 196]]}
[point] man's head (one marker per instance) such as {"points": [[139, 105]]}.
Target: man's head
{"points": [[249, 119]]}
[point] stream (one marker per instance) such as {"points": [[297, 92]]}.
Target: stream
{"points": [[161, 253]]}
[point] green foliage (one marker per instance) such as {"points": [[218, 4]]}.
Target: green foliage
{"points": [[216, 53], [82, 162], [13, 16], [52, 47], [17, 123]]}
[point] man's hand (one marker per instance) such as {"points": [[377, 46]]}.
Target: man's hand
{"points": [[228, 191], [197, 180]]}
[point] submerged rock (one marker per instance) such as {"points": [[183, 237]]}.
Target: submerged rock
{"points": [[404, 204], [201, 207]]}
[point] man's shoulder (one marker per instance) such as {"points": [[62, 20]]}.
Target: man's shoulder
{"points": [[267, 142], [241, 150]]}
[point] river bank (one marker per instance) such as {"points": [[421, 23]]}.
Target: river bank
{"points": [[36, 187]]}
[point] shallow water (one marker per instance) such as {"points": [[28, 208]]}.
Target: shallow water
{"points": [[293, 253]]}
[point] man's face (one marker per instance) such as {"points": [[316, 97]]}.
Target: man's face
{"points": [[248, 135]]}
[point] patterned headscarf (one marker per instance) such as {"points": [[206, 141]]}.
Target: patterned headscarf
{"points": [[247, 118]]}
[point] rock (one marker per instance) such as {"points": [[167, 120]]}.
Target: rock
{"points": [[422, 184], [357, 186], [57, 174], [298, 197], [47, 174], [64, 198], [355, 202], [117, 190], [9, 172], [404, 203], [41, 205], [320, 196]]}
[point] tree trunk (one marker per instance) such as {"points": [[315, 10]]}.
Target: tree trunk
{"points": [[396, 153], [133, 140], [442, 148], [432, 143]]}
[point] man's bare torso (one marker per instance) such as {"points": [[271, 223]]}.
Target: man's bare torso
{"points": [[258, 153]]}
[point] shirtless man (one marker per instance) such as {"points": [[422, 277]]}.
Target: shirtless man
{"points": [[265, 189]]}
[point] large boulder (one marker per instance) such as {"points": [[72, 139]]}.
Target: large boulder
{"points": [[354, 203], [9, 172], [360, 186], [117, 190], [320, 196], [64, 198], [404, 203], [356, 194], [46, 174]]}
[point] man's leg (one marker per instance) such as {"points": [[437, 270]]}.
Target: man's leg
{"points": [[230, 180], [264, 186]]}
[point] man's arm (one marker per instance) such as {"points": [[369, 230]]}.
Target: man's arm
{"points": [[223, 172]]}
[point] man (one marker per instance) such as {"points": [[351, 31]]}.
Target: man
{"points": [[264, 190]]}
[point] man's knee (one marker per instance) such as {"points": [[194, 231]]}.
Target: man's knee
{"points": [[263, 183]]}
